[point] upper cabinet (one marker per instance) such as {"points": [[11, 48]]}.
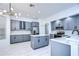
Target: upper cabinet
{"points": [[15, 25], [68, 22], [28, 25], [35, 24], [20, 25]]}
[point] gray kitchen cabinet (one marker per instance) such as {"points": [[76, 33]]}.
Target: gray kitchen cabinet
{"points": [[24, 25], [14, 25], [26, 37], [35, 44], [19, 38], [42, 41], [51, 36], [53, 25], [46, 41], [15, 39], [60, 49], [12, 38], [35, 28], [36, 24], [68, 24], [20, 25], [28, 26], [39, 41]]}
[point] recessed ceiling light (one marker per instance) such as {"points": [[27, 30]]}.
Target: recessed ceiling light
{"points": [[12, 9]]}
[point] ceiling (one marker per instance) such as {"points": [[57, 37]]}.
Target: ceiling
{"points": [[39, 10]]}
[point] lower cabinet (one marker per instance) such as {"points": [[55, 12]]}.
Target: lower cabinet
{"points": [[46, 41], [60, 49], [19, 38], [38, 42], [35, 42], [51, 36]]}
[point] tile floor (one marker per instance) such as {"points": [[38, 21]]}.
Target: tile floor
{"points": [[24, 49]]}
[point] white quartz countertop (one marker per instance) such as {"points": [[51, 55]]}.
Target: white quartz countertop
{"points": [[68, 41], [40, 35], [61, 40], [19, 32], [71, 39]]}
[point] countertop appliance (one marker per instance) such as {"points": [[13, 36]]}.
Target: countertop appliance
{"points": [[59, 32]]}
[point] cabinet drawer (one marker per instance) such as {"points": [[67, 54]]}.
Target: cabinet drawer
{"points": [[46, 40], [14, 25], [26, 37], [19, 38], [43, 41], [34, 42], [13, 39]]}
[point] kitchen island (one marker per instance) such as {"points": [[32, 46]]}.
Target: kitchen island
{"points": [[38, 41], [65, 46]]}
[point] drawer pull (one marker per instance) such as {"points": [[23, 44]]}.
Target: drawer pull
{"points": [[46, 39], [38, 40], [14, 37]]}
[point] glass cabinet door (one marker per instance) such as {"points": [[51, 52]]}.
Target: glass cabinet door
{"points": [[28, 26]]}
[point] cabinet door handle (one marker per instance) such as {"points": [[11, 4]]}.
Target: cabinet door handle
{"points": [[14, 37], [38, 40], [46, 39]]}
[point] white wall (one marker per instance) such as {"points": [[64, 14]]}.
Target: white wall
{"points": [[2, 21], [2, 27], [4, 43], [24, 19], [42, 23], [42, 27]]}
